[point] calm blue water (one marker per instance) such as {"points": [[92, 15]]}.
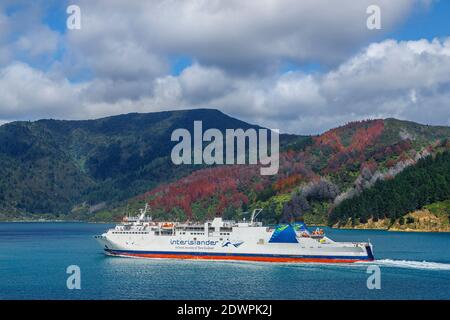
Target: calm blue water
{"points": [[34, 258]]}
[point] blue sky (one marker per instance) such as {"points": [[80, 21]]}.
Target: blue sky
{"points": [[303, 66], [428, 24]]}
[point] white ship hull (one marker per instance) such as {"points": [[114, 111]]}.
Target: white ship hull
{"points": [[241, 241]]}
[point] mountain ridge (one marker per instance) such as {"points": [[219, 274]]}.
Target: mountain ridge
{"points": [[81, 162], [325, 162], [90, 169]]}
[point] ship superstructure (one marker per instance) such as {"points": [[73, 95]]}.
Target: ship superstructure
{"points": [[228, 240]]}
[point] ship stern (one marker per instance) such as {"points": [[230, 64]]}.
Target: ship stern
{"points": [[369, 251]]}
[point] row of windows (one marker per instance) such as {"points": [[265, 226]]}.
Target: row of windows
{"points": [[130, 232], [202, 233], [193, 228], [145, 232]]}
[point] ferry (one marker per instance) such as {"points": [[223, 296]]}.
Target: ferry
{"points": [[228, 240]]}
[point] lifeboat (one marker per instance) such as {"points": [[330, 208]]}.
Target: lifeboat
{"points": [[318, 233], [167, 225], [305, 235]]}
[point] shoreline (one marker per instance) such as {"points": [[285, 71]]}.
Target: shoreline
{"points": [[53, 221], [394, 230], [335, 228]]}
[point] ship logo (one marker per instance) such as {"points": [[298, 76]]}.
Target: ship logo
{"points": [[234, 244]]}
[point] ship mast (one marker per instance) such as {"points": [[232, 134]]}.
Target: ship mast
{"points": [[143, 213], [255, 214]]}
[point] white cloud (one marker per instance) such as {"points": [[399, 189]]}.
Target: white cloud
{"points": [[23, 35], [29, 93], [237, 48], [408, 80], [250, 36]]}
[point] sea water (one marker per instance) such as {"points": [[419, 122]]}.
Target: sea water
{"points": [[34, 258]]}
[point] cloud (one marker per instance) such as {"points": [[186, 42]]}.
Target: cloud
{"points": [[120, 62], [27, 93], [406, 79], [240, 37], [23, 35]]}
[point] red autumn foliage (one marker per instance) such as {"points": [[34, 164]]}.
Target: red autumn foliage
{"points": [[330, 138], [365, 135], [230, 186], [287, 183], [222, 182]]}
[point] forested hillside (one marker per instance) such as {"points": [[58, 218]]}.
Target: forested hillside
{"points": [[315, 176], [97, 170], [63, 168], [426, 182]]}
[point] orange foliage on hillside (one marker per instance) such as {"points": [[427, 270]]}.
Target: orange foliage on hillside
{"points": [[287, 183], [361, 138], [223, 182], [365, 135], [221, 187], [330, 138]]}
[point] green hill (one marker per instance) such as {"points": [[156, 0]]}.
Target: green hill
{"points": [[315, 174], [58, 167], [94, 169], [426, 182]]}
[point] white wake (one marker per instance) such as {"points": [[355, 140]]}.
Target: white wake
{"points": [[411, 264]]}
